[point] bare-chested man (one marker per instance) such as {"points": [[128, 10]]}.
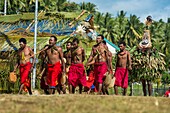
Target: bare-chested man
{"points": [[105, 88], [24, 55], [67, 55], [110, 58], [99, 55], [122, 66], [67, 59], [54, 68], [76, 75]]}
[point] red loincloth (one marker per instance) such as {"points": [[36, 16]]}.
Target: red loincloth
{"points": [[54, 70], [24, 72], [99, 71], [90, 80], [121, 75], [76, 75]]}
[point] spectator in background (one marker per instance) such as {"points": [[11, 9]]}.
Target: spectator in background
{"points": [[167, 93]]}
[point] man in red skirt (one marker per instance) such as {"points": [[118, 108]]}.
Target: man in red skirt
{"points": [[122, 66], [76, 74], [55, 64], [24, 55], [100, 58]]}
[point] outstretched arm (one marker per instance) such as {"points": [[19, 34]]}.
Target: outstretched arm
{"points": [[42, 52]]}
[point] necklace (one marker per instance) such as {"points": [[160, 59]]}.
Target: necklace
{"points": [[122, 53]]}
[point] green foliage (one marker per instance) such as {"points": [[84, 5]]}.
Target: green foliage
{"points": [[88, 6], [70, 6], [166, 78], [20, 6], [148, 64], [7, 66]]}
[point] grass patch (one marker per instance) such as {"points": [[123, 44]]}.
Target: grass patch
{"points": [[16, 17], [83, 104], [30, 16]]}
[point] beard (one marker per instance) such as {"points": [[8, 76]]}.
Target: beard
{"points": [[51, 45], [99, 42]]}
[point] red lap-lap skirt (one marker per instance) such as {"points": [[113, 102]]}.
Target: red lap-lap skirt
{"points": [[76, 75], [90, 80], [24, 72], [100, 70], [54, 71], [121, 75]]}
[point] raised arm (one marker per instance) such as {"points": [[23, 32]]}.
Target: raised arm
{"points": [[42, 52]]}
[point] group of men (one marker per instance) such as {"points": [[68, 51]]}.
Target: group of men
{"points": [[57, 63]]}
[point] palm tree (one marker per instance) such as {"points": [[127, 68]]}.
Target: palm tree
{"points": [[167, 40], [98, 18], [70, 6], [122, 21], [106, 19], [15, 6], [158, 34], [109, 31], [88, 6], [83, 5], [59, 4], [106, 26], [161, 37], [91, 7], [133, 30]]}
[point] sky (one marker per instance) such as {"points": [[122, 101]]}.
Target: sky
{"points": [[158, 9]]}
